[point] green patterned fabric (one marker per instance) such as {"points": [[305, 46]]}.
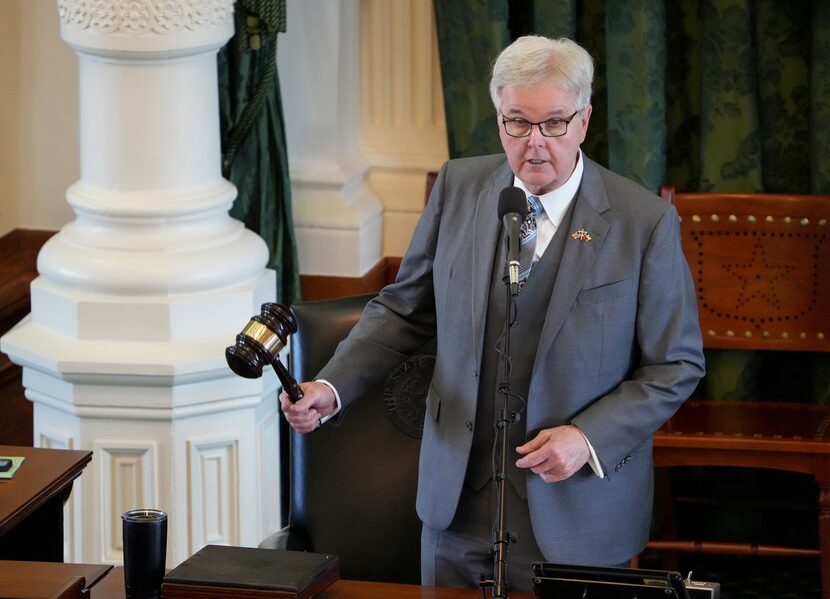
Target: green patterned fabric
{"points": [[466, 60], [254, 151], [636, 113], [708, 95]]}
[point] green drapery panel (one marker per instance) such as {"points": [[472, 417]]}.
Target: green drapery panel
{"points": [[709, 95], [254, 151]]}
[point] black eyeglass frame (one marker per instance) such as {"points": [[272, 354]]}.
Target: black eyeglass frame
{"points": [[566, 120]]}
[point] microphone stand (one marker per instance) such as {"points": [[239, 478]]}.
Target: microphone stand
{"points": [[501, 536]]}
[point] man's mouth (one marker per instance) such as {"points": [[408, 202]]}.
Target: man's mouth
{"points": [[536, 161]]}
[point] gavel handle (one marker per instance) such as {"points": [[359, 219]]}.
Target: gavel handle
{"points": [[289, 384]]}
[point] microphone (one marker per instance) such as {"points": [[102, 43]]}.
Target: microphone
{"points": [[260, 343], [512, 213]]}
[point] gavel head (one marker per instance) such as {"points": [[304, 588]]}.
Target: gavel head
{"points": [[261, 341]]}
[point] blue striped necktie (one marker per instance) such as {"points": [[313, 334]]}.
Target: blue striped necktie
{"points": [[528, 237]]}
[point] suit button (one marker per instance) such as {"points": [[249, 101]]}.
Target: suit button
{"points": [[469, 426]]}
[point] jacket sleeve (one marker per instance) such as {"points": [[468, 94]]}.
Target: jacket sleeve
{"points": [[397, 322]]}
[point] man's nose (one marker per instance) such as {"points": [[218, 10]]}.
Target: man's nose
{"points": [[536, 138]]}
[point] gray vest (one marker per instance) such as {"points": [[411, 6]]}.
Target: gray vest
{"points": [[532, 306]]}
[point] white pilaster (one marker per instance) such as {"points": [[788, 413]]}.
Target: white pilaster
{"points": [[138, 297], [337, 217], [402, 110]]}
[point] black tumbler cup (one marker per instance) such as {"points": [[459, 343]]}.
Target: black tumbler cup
{"points": [[145, 548]]}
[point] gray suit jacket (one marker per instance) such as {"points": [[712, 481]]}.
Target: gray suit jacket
{"points": [[620, 349]]}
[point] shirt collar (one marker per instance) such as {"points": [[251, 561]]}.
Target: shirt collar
{"points": [[556, 202]]}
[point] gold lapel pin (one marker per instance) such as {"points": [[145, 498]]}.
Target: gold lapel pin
{"points": [[581, 234]]}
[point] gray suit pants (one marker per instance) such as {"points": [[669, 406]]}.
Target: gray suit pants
{"points": [[463, 554]]}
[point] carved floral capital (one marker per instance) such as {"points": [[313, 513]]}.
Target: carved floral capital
{"points": [[144, 17]]}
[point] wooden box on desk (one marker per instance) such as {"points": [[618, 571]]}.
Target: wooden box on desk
{"points": [[220, 572]]}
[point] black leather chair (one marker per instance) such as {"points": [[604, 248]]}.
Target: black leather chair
{"points": [[352, 484]]}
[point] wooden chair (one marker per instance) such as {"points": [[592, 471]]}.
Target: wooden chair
{"points": [[761, 264]]}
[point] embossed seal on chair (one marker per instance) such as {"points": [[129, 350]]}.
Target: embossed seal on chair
{"points": [[405, 394]]}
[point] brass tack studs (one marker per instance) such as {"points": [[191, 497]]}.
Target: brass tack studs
{"points": [[820, 336], [748, 334], [751, 218], [769, 219], [765, 334], [696, 218], [805, 221], [733, 218], [710, 332], [715, 218], [802, 335], [785, 335], [730, 333]]}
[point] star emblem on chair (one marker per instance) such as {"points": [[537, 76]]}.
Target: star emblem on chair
{"points": [[759, 278]]}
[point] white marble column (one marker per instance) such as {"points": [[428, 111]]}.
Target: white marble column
{"points": [[137, 298]]}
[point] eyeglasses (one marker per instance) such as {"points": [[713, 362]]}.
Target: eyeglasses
{"points": [[549, 128]]}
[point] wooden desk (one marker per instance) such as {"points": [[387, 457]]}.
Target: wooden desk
{"points": [[31, 503], [354, 589], [35, 580], [780, 436], [112, 587]]}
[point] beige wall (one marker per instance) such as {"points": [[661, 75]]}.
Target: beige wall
{"points": [[9, 109], [38, 117]]}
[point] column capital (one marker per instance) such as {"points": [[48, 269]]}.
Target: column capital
{"points": [[146, 29]]}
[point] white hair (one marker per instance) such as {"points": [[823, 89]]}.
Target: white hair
{"points": [[532, 59]]}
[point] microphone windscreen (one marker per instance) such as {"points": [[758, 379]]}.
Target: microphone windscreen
{"points": [[512, 199]]}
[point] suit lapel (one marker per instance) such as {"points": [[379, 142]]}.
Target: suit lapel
{"points": [[579, 254], [485, 243]]}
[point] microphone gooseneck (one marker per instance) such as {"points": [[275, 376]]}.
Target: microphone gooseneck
{"points": [[512, 213]]}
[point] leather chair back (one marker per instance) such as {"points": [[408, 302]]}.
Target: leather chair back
{"points": [[353, 483]]}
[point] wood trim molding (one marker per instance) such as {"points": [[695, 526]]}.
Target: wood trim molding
{"points": [[319, 287]]}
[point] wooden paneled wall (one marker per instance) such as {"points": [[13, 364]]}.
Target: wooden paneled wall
{"points": [[18, 266]]}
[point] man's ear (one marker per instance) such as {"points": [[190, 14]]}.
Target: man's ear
{"points": [[586, 118]]}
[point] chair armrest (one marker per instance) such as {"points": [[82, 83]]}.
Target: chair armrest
{"points": [[292, 538]]}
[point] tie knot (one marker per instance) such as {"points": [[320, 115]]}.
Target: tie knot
{"points": [[534, 206]]}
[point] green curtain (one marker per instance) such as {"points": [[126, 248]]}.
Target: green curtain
{"points": [[254, 150], [470, 34], [709, 95]]}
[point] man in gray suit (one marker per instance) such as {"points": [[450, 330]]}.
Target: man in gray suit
{"points": [[605, 345]]}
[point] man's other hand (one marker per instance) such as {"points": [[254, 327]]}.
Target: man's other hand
{"points": [[555, 453]]}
